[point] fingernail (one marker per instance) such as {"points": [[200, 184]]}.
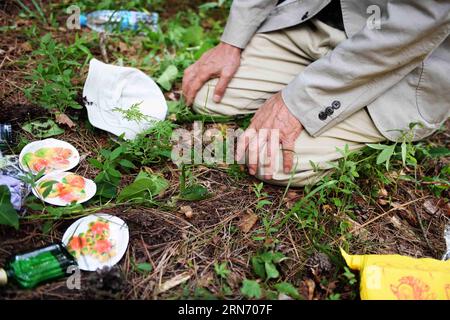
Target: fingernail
{"points": [[216, 98]]}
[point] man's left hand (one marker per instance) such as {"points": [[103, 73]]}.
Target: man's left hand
{"points": [[273, 114]]}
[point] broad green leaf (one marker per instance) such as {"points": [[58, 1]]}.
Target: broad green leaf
{"points": [[377, 146], [251, 289], [116, 153], [144, 267], [174, 106], [288, 289], [106, 189], [258, 267], [270, 295], [208, 6], [47, 227], [439, 152], [127, 164], [404, 153], [113, 173], [105, 153], [277, 257], [8, 215], [168, 77], [95, 163], [266, 256], [48, 187], [271, 270], [385, 156], [35, 206], [145, 185], [194, 193], [43, 129]]}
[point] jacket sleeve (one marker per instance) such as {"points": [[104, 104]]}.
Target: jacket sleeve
{"points": [[364, 66], [244, 19]]}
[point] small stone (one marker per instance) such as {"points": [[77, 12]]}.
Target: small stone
{"points": [[187, 211]]}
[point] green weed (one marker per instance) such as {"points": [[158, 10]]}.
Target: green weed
{"points": [[57, 65]]}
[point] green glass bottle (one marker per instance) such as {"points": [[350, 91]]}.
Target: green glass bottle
{"points": [[30, 269]]}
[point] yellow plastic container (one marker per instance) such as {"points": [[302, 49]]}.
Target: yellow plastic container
{"points": [[395, 277]]}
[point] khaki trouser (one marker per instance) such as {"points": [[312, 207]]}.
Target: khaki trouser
{"points": [[270, 62]]}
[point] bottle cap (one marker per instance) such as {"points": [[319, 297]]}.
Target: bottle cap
{"points": [[3, 277], [83, 20]]}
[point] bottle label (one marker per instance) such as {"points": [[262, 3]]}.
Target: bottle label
{"points": [[5, 133], [3, 277]]}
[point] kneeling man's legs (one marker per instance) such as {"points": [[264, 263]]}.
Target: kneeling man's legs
{"points": [[268, 64]]}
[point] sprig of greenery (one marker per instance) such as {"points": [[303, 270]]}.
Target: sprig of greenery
{"points": [[133, 113]]}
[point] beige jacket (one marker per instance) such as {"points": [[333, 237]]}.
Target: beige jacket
{"points": [[401, 71]]}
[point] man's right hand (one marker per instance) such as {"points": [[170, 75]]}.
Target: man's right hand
{"points": [[220, 62]]}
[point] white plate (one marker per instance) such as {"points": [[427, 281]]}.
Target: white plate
{"points": [[78, 184], [116, 239], [71, 161]]}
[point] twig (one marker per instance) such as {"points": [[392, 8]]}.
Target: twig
{"points": [[379, 217], [386, 213], [102, 44], [424, 233]]}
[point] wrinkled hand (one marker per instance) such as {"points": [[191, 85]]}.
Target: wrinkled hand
{"points": [[273, 114], [220, 62]]}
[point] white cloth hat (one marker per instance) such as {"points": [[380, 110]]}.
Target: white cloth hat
{"points": [[109, 87]]}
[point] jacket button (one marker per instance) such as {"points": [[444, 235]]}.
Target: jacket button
{"points": [[322, 115], [336, 105], [305, 16], [329, 111]]}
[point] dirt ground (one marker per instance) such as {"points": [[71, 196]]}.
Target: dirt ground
{"points": [[403, 219]]}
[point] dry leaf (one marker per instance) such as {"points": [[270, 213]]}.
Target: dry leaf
{"points": [[396, 222], [234, 280], [248, 221], [447, 210], [26, 47], [382, 192], [398, 206], [172, 96], [205, 280], [326, 208], [291, 199], [123, 47], [283, 296], [402, 226], [62, 118], [430, 207], [311, 285], [175, 281], [187, 211], [23, 22]]}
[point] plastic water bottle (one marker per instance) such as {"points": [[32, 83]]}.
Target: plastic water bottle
{"points": [[111, 20], [6, 136]]}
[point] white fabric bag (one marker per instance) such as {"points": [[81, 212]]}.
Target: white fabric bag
{"points": [[108, 87]]}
